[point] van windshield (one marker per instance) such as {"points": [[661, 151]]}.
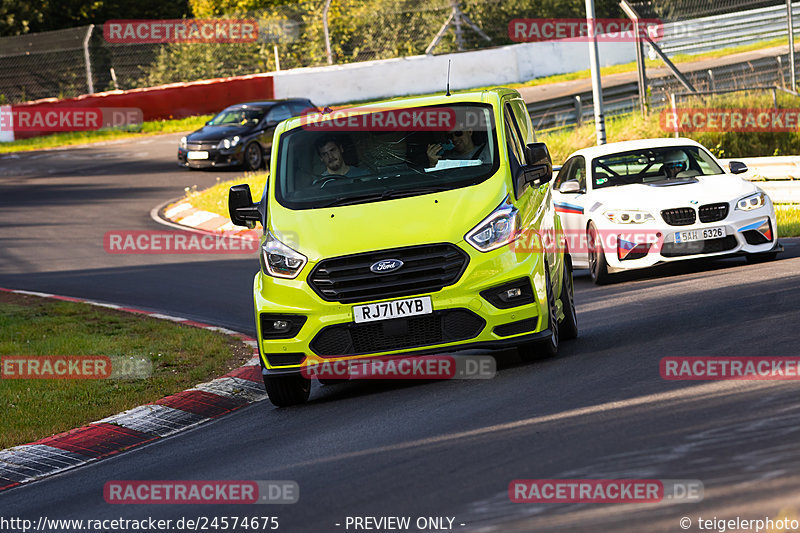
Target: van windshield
{"points": [[354, 156]]}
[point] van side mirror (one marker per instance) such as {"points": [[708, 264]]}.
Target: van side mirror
{"points": [[539, 169], [241, 208], [737, 167]]}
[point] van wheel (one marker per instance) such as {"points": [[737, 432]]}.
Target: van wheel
{"points": [[253, 158], [548, 347], [568, 328], [284, 391], [598, 268]]}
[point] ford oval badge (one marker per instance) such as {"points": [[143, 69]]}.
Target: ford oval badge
{"points": [[386, 265]]}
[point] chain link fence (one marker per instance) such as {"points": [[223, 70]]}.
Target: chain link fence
{"points": [[68, 63]]}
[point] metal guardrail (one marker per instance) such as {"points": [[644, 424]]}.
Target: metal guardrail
{"points": [[568, 111], [721, 31]]}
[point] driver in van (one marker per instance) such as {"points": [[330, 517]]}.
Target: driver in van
{"points": [[330, 152]]}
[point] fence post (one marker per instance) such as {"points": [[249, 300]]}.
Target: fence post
{"points": [[87, 59], [578, 110], [791, 42], [711, 79], [325, 29]]}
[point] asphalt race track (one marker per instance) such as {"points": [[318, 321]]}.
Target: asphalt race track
{"points": [[431, 449]]}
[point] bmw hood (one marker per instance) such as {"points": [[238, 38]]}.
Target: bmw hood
{"points": [[428, 218], [655, 196]]}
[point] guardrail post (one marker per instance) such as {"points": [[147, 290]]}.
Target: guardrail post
{"points": [[674, 113], [711, 79], [578, 110]]}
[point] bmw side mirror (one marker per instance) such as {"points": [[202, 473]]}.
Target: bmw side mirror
{"points": [[737, 167], [570, 187], [242, 210]]}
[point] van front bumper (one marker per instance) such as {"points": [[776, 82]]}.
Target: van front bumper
{"points": [[463, 316]]}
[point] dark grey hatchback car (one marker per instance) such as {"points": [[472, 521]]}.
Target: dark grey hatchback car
{"points": [[240, 135]]}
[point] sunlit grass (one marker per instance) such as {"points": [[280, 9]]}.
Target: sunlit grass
{"points": [[182, 356], [155, 127]]}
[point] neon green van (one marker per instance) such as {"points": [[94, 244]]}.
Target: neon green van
{"points": [[392, 229]]}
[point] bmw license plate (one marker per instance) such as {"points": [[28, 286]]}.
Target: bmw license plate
{"points": [[197, 155], [393, 309], [700, 234]]}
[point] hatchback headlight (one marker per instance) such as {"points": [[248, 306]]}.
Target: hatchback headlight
{"points": [[183, 142], [227, 144], [628, 216], [753, 201], [496, 230], [280, 261]]}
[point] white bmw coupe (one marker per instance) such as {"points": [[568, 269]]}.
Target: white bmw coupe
{"points": [[635, 204]]}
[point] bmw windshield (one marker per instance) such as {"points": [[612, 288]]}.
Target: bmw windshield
{"points": [[666, 166], [358, 157]]}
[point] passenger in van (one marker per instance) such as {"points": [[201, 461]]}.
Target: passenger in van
{"points": [[330, 152], [463, 147]]}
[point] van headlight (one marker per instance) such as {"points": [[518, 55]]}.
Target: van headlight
{"points": [[496, 230], [628, 216], [227, 144], [280, 261], [753, 201]]}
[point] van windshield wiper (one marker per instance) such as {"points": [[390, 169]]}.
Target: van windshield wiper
{"points": [[384, 195]]}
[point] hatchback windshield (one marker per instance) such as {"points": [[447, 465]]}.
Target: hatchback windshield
{"points": [[359, 157], [238, 116], [653, 166]]}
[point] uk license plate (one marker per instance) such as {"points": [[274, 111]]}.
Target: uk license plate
{"points": [[197, 155], [392, 309], [700, 234]]}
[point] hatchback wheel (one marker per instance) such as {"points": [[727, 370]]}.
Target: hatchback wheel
{"points": [[253, 157]]}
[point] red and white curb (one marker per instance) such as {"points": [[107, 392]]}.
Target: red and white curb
{"points": [[137, 426], [185, 214]]}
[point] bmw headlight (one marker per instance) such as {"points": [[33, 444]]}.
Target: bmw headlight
{"points": [[496, 230], [183, 142], [280, 261], [227, 144], [753, 201], [628, 216]]}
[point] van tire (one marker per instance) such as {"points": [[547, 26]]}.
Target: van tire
{"points": [[568, 328], [284, 391], [549, 347]]}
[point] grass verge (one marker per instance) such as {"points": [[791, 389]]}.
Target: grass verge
{"points": [[155, 127], [788, 222], [31, 409]]}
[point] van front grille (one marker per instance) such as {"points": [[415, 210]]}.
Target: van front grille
{"points": [[426, 268]]}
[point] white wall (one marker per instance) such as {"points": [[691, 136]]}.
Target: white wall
{"points": [[426, 74]]}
